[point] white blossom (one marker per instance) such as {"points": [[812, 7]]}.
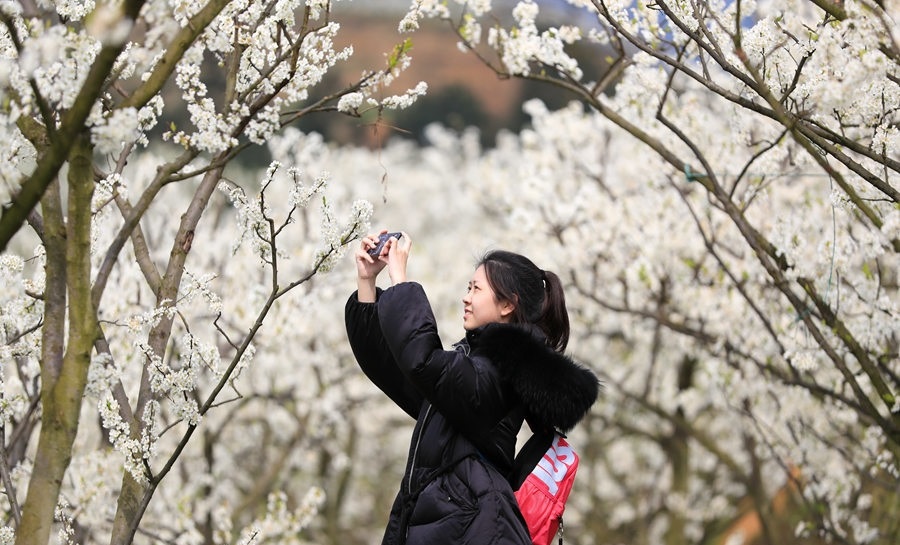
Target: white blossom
{"points": [[119, 128], [420, 9], [120, 436], [405, 100], [350, 102], [75, 10], [7, 535]]}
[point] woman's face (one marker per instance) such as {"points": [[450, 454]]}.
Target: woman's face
{"points": [[480, 305]]}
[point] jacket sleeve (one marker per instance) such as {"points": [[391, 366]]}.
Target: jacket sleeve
{"points": [[374, 357], [466, 390]]}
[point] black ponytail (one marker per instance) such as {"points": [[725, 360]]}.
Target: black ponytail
{"points": [[537, 294], [554, 320]]}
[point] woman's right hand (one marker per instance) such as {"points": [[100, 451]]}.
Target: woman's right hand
{"points": [[368, 267]]}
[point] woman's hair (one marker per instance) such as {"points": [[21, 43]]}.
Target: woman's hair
{"points": [[537, 294]]}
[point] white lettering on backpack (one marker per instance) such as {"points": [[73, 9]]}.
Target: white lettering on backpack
{"points": [[552, 469]]}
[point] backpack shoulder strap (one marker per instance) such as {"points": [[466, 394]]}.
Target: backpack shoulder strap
{"points": [[529, 455]]}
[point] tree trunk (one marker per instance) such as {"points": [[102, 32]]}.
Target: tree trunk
{"points": [[63, 384], [677, 447]]}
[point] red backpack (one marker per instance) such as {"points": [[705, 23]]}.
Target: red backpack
{"points": [[543, 490]]}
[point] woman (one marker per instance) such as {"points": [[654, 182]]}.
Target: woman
{"points": [[470, 402]]}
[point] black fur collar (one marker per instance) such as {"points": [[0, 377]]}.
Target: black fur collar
{"points": [[556, 390]]}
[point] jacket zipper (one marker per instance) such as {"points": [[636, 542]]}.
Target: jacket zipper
{"points": [[415, 455], [412, 464]]}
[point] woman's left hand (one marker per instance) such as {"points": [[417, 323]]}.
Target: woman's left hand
{"points": [[397, 257]]}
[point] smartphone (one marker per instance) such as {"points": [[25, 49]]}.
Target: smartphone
{"points": [[382, 240]]}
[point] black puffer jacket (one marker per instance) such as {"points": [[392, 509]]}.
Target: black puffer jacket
{"points": [[469, 404]]}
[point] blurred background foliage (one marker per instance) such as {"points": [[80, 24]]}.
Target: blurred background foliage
{"points": [[462, 92]]}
